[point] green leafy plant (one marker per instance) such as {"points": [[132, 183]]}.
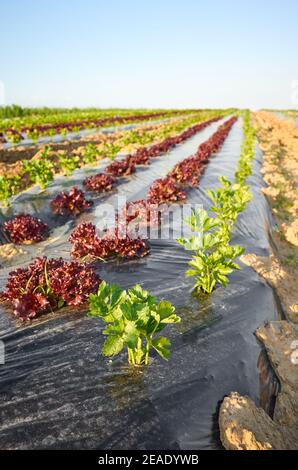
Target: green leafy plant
{"points": [[45, 152], [111, 150], [90, 153], [68, 164], [40, 171], [134, 318], [214, 256], [244, 167], [229, 201], [8, 187], [13, 137], [130, 137], [51, 132], [33, 134], [63, 131]]}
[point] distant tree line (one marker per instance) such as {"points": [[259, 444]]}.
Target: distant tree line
{"points": [[15, 110]]}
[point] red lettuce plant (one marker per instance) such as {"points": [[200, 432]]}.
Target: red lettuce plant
{"points": [[214, 143], [87, 245], [167, 144], [141, 210], [48, 284], [187, 171], [25, 228], [99, 183], [141, 157], [71, 203], [128, 247], [165, 190], [123, 168], [136, 209]]}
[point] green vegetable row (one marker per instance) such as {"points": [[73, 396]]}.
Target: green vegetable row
{"points": [[214, 255]]}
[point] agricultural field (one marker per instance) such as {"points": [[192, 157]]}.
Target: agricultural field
{"points": [[34, 125], [140, 252]]}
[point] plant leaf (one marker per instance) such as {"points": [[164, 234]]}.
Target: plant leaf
{"points": [[161, 345], [112, 346]]}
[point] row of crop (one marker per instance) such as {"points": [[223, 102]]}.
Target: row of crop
{"points": [[42, 168], [53, 118], [34, 132], [214, 255], [59, 116], [27, 229], [134, 318]]}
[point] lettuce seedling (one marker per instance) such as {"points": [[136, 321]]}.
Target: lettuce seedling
{"points": [[213, 258], [14, 136], [45, 152], [40, 171], [134, 318], [111, 150], [90, 153], [33, 134], [8, 187], [68, 164]]}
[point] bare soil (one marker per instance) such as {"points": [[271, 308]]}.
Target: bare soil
{"points": [[243, 426]]}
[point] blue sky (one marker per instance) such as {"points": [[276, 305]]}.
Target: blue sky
{"points": [[153, 53]]}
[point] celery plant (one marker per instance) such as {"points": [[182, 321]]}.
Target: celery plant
{"points": [[213, 257], [134, 318]]}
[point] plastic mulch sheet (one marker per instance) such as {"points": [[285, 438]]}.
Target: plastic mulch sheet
{"points": [[57, 391]]}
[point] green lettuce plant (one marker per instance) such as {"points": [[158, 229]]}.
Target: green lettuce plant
{"points": [[134, 318], [33, 134], [13, 137], [90, 153], [111, 150], [68, 164], [40, 171], [45, 152], [8, 187], [214, 256]]}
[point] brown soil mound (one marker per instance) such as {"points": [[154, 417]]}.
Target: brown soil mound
{"points": [[243, 426]]}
